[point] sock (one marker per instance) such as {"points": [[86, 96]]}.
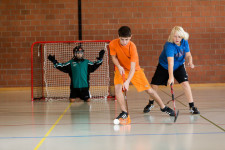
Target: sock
{"points": [[124, 112], [163, 110], [191, 104], [151, 101]]}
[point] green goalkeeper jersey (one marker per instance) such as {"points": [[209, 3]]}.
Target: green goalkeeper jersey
{"points": [[79, 71]]}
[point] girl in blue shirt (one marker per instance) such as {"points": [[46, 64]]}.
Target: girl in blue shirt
{"points": [[171, 65]]}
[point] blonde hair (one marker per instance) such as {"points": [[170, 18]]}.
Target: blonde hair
{"points": [[180, 31]]}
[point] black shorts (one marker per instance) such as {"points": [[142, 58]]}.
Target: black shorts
{"points": [[82, 93], [161, 75]]}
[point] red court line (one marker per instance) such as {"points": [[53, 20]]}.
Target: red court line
{"points": [[108, 124]]}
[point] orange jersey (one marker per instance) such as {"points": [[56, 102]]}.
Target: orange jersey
{"points": [[125, 54]]}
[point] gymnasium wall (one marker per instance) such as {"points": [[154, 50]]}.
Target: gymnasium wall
{"points": [[23, 22]]}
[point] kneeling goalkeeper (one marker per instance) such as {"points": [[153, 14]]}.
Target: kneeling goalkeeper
{"points": [[79, 70]]}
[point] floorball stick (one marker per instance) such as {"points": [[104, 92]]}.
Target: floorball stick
{"points": [[174, 106], [127, 121]]}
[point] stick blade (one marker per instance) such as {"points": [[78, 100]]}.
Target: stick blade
{"points": [[125, 121], [176, 115]]}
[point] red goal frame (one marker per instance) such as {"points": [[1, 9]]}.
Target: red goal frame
{"points": [[45, 42]]}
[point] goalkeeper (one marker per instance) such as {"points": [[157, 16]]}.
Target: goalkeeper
{"points": [[79, 70]]}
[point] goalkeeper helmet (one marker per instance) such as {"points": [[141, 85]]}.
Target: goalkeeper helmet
{"points": [[78, 49]]}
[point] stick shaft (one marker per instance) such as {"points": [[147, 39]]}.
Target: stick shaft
{"points": [[174, 106], [125, 93]]}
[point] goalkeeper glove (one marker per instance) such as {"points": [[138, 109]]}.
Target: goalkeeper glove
{"points": [[101, 55], [52, 59]]}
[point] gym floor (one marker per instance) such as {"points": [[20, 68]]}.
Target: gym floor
{"points": [[56, 125]]}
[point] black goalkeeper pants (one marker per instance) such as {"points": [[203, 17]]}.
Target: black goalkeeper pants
{"points": [[82, 93]]}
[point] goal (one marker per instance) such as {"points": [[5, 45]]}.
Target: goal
{"points": [[49, 83]]}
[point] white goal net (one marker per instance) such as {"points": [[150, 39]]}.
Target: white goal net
{"points": [[48, 82]]}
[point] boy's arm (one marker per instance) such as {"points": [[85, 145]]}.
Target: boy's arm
{"points": [[170, 70], [117, 64], [130, 76], [64, 67], [93, 66], [121, 70], [189, 60]]}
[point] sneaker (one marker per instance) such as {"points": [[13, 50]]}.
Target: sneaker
{"points": [[124, 118], [122, 115], [168, 111], [194, 110], [148, 107]]}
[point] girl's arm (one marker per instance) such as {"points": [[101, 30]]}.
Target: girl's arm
{"points": [[189, 60], [170, 70]]}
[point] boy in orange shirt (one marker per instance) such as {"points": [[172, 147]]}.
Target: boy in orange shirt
{"points": [[125, 58]]}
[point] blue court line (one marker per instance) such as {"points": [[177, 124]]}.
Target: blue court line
{"points": [[111, 135]]}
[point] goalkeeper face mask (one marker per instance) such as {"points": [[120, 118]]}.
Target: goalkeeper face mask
{"points": [[78, 52], [79, 55]]}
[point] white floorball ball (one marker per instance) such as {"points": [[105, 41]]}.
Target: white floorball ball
{"points": [[116, 121]]}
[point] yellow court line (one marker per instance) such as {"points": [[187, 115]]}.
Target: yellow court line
{"points": [[53, 126]]}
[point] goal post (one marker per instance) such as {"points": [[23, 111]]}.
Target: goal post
{"points": [[49, 83]]}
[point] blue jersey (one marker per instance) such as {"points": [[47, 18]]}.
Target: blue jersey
{"points": [[172, 50]]}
